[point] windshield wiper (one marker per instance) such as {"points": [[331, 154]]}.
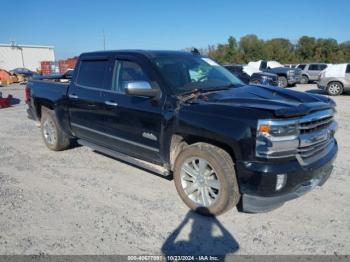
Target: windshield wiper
{"points": [[206, 90], [199, 91]]}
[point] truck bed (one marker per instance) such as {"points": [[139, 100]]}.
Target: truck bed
{"points": [[44, 92], [48, 89]]}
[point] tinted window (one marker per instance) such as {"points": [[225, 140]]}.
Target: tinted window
{"points": [[348, 69], [313, 67], [263, 65], [126, 71], [301, 67], [234, 69], [323, 67], [92, 73]]}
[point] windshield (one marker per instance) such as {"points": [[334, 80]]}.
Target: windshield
{"points": [[188, 73]]}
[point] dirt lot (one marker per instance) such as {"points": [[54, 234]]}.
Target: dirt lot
{"points": [[81, 202]]}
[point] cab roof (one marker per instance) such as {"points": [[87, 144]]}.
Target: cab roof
{"points": [[145, 53]]}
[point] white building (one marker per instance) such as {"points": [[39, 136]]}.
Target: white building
{"points": [[28, 56]]}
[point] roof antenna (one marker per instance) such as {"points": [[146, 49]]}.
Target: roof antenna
{"points": [[195, 51]]}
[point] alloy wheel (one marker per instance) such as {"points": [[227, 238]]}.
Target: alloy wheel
{"points": [[49, 132], [199, 181], [282, 82], [334, 88]]}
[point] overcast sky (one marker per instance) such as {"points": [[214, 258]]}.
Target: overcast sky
{"points": [[77, 26]]}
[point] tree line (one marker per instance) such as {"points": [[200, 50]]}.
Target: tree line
{"points": [[306, 49]]}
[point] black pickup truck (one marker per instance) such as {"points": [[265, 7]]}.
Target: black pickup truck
{"points": [[180, 114]]}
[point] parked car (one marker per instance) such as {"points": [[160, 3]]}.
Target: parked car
{"points": [[23, 71], [286, 76], [335, 79], [182, 114], [310, 72], [24, 74], [259, 78], [68, 74]]}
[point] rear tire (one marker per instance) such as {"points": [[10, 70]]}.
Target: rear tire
{"points": [[212, 187], [282, 81], [53, 135], [304, 80], [334, 88]]}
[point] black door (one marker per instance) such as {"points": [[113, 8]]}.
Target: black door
{"points": [[86, 98], [133, 123], [102, 113]]}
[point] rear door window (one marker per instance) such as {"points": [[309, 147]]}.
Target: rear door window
{"points": [[323, 67], [348, 69], [313, 67], [92, 73]]}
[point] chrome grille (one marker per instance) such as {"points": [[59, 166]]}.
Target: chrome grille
{"points": [[308, 151], [311, 126], [316, 134], [298, 72]]}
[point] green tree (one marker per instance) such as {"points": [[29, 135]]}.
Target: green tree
{"points": [[279, 49], [251, 48], [306, 48], [345, 49], [231, 50], [326, 50]]}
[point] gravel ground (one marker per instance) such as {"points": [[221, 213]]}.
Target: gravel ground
{"points": [[81, 202]]}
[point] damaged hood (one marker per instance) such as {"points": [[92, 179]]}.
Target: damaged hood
{"points": [[282, 102]]}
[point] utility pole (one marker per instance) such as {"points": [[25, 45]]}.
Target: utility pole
{"points": [[14, 45], [21, 49]]}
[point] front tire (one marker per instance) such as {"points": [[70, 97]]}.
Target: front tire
{"points": [[304, 80], [282, 81], [205, 179], [53, 135], [334, 89]]}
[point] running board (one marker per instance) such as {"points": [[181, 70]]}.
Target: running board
{"points": [[132, 160]]}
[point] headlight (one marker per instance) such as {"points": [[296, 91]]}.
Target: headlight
{"points": [[277, 138], [279, 129]]}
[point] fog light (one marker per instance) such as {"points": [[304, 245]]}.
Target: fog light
{"points": [[281, 181]]}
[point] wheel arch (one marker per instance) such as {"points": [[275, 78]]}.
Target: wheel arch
{"points": [[60, 114], [335, 81], [38, 104], [181, 141]]}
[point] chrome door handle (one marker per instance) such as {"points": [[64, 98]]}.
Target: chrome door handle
{"points": [[111, 103], [73, 96]]}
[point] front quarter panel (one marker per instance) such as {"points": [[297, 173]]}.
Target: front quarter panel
{"points": [[229, 126]]}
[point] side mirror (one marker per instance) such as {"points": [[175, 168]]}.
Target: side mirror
{"points": [[140, 88]]}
